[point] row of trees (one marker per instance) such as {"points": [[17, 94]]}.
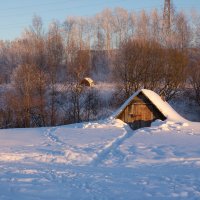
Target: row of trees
{"points": [[41, 70], [70, 43]]}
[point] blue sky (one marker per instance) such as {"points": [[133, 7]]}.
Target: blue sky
{"points": [[15, 15]]}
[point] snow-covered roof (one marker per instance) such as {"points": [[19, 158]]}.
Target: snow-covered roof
{"points": [[162, 106], [89, 80]]}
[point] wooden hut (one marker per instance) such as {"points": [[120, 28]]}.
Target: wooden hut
{"points": [[87, 82], [140, 110]]}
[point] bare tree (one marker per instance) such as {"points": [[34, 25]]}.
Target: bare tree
{"points": [[194, 74], [25, 82], [90, 104], [132, 21], [106, 19], [195, 29], [121, 26], [55, 56], [7, 62], [156, 26], [174, 71], [36, 37], [146, 64], [181, 32], [142, 28]]}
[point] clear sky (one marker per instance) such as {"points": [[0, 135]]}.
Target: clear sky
{"points": [[15, 15]]}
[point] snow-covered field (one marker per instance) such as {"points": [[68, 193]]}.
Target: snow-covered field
{"points": [[102, 160]]}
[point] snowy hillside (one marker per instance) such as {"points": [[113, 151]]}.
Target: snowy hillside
{"points": [[102, 160]]}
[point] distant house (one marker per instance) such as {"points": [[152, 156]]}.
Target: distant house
{"points": [[144, 107], [87, 82]]}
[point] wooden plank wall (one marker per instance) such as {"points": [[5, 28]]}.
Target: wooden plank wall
{"points": [[141, 112]]}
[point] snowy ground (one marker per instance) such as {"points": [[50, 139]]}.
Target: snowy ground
{"points": [[104, 160]]}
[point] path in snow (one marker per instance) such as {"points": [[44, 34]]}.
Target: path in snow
{"points": [[102, 154], [104, 163], [50, 134]]}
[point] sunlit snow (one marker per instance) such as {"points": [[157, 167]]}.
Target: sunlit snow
{"points": [[101, 160]]}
